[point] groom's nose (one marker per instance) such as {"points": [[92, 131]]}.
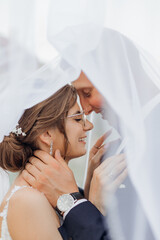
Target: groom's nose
{"points": [[87, 108]]}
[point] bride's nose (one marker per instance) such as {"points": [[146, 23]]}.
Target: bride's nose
{"points": [[88, 125]]}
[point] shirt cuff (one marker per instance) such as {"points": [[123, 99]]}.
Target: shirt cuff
{"points": [[75, 204]]}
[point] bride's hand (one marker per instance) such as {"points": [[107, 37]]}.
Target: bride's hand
{"points": [[95, 156], [106, 179]]}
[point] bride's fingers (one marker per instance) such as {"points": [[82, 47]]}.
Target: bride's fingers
{"points": [[111, 162], [119, 169], [112, 172], [102, 138], [105, 145], [110, 185], [97, 157], [120, 179], [100, 141]]}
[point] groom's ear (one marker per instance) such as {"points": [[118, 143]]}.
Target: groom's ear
{"points": [[47, 136]]}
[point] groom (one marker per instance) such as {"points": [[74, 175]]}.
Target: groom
{"points": [[82, 221]]}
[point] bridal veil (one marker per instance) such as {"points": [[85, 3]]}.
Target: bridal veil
{"points": [[121, 59]]}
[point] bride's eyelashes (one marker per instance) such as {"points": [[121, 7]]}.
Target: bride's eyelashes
{"points": [[78, 119]]}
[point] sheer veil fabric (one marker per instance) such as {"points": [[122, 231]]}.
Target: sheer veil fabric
{"points": [[25, 80], [129, 78], [124, 73]]}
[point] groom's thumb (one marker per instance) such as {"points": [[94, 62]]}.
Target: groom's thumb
{"points": [[59, 158]]}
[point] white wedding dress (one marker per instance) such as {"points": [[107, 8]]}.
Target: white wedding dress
{"points": [[5, 235]]}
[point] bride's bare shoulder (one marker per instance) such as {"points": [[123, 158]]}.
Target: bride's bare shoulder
{"points": [[28, 198], [31, 207]]}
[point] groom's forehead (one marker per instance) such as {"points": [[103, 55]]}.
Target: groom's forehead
{"points": [[82, 82]]}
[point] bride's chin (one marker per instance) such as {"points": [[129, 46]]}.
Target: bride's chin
{"points": [[77, 155], [82, 153]]}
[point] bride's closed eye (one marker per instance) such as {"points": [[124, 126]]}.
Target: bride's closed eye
{"points": [[78, 119]]}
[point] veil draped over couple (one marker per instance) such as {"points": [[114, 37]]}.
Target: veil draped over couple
{"points": [[47, 119]]}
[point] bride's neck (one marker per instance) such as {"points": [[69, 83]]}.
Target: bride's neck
{"points": [[20, 181]]}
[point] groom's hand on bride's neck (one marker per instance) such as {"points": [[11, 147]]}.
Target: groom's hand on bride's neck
{"points": [[49, 175]]}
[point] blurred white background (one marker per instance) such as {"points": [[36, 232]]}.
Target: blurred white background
{"points": [[129, 17]]}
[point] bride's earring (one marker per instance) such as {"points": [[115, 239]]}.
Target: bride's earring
{"points": [[51, 148]]}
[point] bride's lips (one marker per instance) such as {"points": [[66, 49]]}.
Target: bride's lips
{"points": [[82, 139]]}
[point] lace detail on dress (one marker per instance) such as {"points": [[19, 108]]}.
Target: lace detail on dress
{"points": [[4, 228]]}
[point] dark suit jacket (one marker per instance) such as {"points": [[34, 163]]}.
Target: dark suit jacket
{"points": [[84, 222]]}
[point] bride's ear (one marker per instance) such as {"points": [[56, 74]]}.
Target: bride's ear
{"points": [[47, 137]]}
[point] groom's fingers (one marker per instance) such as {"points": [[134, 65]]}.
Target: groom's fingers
{"points": [[60, 159], [44, 159], [33, 170], [47, 159], [37, 163], [29, 178], [43, 156]]}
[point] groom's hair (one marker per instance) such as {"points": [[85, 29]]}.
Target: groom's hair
{"points": [[16, 150]]}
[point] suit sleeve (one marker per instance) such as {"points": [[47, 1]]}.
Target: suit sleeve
{"points": [[84, 222]]}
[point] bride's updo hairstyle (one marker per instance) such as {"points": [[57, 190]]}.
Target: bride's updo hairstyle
{"points": [[16, 150]]}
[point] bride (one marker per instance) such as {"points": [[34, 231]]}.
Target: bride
{"points": [[56, 126]]}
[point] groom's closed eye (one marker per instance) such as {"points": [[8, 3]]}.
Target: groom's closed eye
{"points": [[86, 93]]}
